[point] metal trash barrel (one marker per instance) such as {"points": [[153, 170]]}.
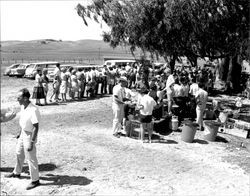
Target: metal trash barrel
{"points": [[211, 129], [188, 131]]}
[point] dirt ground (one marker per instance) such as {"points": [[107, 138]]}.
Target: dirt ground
{"points": [[78, 155]]}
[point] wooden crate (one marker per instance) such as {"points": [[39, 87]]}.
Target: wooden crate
{"points": [[135, 129]]}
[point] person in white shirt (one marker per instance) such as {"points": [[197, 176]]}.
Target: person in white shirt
{"points": [[177, 90], [170, 80], [128, 67], [57, 72], [118, 105], [193, 87], [146, 105], [123, 71], [27, 138], [201, 97]]}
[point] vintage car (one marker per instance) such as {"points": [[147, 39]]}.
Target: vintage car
{"points": [[19, 71], [31, 71], [7, 70]]}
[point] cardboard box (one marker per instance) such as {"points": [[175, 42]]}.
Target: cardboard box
{"points": [[237, 132]]}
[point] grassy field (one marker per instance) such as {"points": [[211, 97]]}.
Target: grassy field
{"points": [[90, 51]]}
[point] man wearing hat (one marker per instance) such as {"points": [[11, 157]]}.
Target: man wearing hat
{"points": [[118, 105]]}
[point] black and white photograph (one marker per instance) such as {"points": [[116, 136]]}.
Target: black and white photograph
{"points": [[125, 97]]}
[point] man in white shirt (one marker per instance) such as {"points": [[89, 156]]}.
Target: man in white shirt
{"points": [[146, 105], [193, 87], [118, 105], [57, 71], [27, 138], [201, 101]]}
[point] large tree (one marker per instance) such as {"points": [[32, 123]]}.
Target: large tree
{"points": [[172, 28]]}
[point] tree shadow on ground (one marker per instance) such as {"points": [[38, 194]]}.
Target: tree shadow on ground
{"points": [[90, 98], [54, 104], [42, 168], [199, 141], [65, 179], [156, 138], [53, 179], [62, 180], [165, 132], [221, 139], [165, 141]]}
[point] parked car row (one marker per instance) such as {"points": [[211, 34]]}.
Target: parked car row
{"points": [[19, 71], [8, 69], [29, 70]]}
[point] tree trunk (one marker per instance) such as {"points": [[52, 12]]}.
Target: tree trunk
{"points": [[223, 68], [193, 61], [234, 74], [172, 63]]}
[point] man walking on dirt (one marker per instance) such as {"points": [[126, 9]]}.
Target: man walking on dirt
{"points": [[26, 145]]}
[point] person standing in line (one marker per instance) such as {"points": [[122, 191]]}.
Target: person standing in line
{"points": [[57, 72], [75, 87], [80, 80], [63, 86], [38, 91], [69, 82], [27, 138], [146, 105], [45, 82], [104, 79], [56, 88], [93, 82], [112, 79], [201, 101], [84, 75], [118, 105]]}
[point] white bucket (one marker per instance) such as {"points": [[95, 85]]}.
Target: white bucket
{"points": [[174, 122]]}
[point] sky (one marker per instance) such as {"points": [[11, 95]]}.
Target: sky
{"points": [[33, 19]]}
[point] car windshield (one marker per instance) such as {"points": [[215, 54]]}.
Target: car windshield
{"points": [[51, 66], [14, 66], [21, 66], [32, 66]]}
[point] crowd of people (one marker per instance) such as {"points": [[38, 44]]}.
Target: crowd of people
{"points": [[156, 92], [137, 90], [72, 83], [185, 90]]}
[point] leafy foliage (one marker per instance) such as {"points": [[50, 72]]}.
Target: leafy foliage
{"points": [[195, 28]]}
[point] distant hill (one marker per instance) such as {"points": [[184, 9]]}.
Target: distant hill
{"points": [[49, 49]]}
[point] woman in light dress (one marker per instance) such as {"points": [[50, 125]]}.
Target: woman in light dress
{"points": [[75, 86], [63, 87]]}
